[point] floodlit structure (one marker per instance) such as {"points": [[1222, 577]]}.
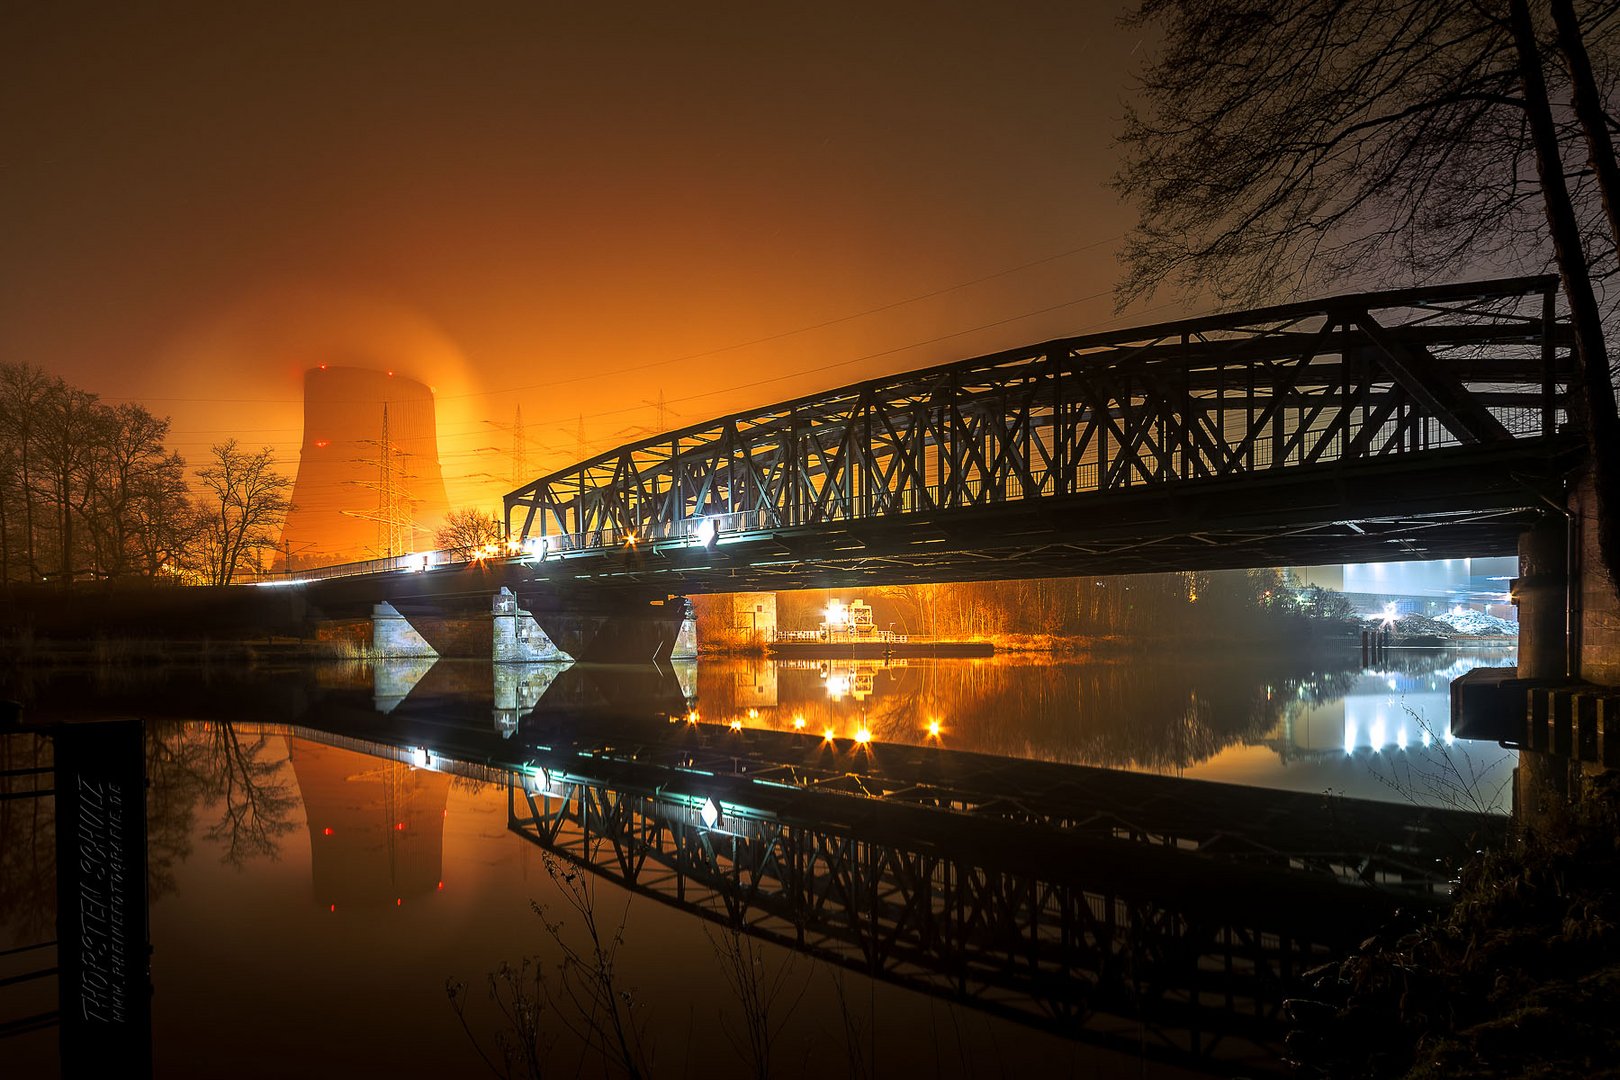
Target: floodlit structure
{"points": [[369, 484]]}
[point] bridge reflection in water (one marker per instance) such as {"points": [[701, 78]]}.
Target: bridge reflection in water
{"points": [[1086, 902], [1146, 914]]}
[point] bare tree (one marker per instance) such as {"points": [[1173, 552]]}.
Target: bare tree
{"points": [[164, 523], [23, 389], [767, 1000], [136, 493], [467, 531], [246, 502], [71, 425], [1286, 143]]}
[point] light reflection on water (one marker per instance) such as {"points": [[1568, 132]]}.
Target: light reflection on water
{"points": [[1381, 734]]}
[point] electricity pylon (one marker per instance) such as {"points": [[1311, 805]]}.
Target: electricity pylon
{"points": [[396, 529]]}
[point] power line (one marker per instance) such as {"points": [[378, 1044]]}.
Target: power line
{"points": [[704, 353]]}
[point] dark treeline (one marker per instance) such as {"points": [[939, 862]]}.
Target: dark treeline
{"points": [[1210, 605], [89, 492]]}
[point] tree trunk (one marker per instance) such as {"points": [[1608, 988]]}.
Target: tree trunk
{"points": [[5, 543], [64, 495], [28, 507], [1588, 103], [1596, 399]]}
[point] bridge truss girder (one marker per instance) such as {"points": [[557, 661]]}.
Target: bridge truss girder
{"points": [[1420, 387]]}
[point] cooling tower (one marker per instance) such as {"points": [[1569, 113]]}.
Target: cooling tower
{"points": [[368, 482]]}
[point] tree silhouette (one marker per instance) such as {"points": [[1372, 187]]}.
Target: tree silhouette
{"points": [[245, 503], [467, 531], [1282, 144]]}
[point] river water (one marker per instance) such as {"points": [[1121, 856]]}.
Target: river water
{"points": [[328, 847]]}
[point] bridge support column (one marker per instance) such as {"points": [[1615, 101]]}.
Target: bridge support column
{"points": [[1541, 593], [393, 636], [518, 637], [686, 639]]}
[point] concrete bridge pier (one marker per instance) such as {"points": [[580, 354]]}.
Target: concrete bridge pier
{"points": [[1561, 707], [518, 638], [394, 638], [1542, 593], [686, 639]]}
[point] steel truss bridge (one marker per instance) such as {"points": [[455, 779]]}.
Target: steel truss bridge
{"points": [[1420, 423]]}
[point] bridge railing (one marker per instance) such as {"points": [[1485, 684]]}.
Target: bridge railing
{"points": [[416, 561]]}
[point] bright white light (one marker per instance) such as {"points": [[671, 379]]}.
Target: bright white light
{"points": [[419, 757], [933, 728], [837, 686], [1427, 738], [536, 779], [710, 813], [798, 723], [707, 530], [1377, 734], [1400, 737], [836, 614], [1390, 683], [1389, 614], [1349, 736], [863, 735]]}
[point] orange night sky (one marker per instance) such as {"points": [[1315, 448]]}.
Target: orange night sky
{"points": [[574, 209]]}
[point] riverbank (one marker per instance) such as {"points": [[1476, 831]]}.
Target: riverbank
{"points": [[879, 650], [22, 649], [1520, 977]]}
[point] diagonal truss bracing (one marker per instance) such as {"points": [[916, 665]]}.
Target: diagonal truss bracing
{"points": [[1384, 379]]}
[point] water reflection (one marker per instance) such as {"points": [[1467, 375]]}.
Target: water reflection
{"points": [[971, 863], [376, 827], [393, 678], [1377, 734], [518, 689]]}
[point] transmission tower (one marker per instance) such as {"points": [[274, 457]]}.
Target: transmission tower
{"points": [[396, 530], [520, 451], [662, 412]]}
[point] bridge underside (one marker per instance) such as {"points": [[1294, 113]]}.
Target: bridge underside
{"points": [[1459, 503]]}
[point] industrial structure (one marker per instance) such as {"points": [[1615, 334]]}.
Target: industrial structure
{"points": [[369, 484]]}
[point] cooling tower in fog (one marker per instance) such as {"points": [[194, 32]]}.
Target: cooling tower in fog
{"points": [[362, 493]]}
